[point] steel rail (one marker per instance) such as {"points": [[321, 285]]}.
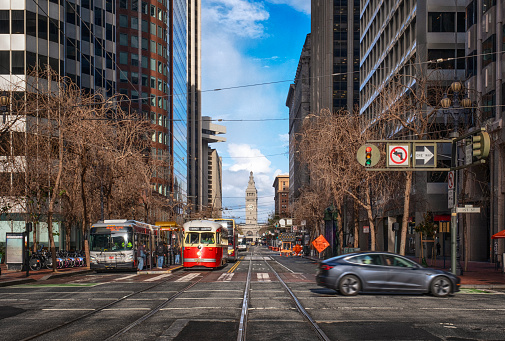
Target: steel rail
{"points": [[321, 335], [245, 305], [66, 323], [155, 310]]}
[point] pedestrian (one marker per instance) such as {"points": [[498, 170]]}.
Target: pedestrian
{"points": [[160, 252], [177, 253], [141, 255], [438, 249]]}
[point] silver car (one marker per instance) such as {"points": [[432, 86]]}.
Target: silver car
{"points": [[383, 272]]}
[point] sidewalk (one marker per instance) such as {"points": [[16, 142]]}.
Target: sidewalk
{"points": [[479, 275], [15, 277]]}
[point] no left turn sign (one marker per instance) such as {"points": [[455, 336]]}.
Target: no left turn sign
{"points": [[398, 155]]}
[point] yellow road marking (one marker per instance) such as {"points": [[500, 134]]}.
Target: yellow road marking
{"points": [[234, 267]]}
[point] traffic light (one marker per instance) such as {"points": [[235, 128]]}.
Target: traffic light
{"points": [[480, 145], [368, 156]]}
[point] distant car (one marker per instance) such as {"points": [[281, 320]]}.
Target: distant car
{"points": [[353, 273]]}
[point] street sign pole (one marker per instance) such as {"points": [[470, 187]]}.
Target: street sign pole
{"points": [[454, 215]]}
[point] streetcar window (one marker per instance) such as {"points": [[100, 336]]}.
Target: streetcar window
{"points": [[192, 238], [207, 238]]}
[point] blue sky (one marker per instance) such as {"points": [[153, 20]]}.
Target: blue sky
{"points": [[246, 42]]}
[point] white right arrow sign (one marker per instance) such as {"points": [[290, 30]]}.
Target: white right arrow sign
{"points": [[425, 156]]}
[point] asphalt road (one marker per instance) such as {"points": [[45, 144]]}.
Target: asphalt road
{"points": [[211, 309]]}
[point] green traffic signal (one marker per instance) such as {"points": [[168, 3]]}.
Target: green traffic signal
{"points": [[368, 156]]}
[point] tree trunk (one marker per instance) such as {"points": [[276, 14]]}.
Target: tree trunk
{"points": [[406, 204], [85, 223], [54, 196]]}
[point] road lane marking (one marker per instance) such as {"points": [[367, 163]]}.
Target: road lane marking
{"points": [[225, 277], [157, 278], [188, 277], [263, 277], [123, 278], [173, 331]]}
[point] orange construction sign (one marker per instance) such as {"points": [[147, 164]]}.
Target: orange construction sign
{"points": [[320, 243]]}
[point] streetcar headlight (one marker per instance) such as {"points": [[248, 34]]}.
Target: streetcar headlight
{"points": [[93, 259], [129, 257]]}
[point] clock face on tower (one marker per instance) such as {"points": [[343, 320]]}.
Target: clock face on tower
{"points": [[250, 207]]}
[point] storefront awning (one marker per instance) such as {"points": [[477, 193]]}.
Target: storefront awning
{"points": [[442, 217], [500, 234]]}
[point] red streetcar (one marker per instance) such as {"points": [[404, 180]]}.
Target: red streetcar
{"points": [[205, 244]]}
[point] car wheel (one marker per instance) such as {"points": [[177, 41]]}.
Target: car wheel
{"points": [[441, 286], [349, 285]]}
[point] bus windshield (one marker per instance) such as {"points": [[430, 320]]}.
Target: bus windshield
{"points": [[114, 241]]}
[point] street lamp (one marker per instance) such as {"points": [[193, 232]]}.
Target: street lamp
{"points": [[4, 104], [457, 106], [459, 103]]}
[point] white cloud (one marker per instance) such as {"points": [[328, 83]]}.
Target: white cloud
{"points": [[299, 5], [247, 158], [239, 17], [284, 138]]}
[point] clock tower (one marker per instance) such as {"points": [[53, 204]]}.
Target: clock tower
{"points": [[251, 202]]}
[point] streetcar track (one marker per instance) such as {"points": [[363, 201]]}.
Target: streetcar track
{"points": [[155, 310], [106, 306], [298, 306]]}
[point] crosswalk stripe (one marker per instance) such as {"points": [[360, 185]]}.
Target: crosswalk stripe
{"points": [[263, 277], [188, 277], [157, 278], [226, 277], [123, 278]]}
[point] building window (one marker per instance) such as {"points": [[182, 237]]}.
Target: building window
{"points": [[153, 64], [42, 27], [135, 42], [5, 60], [153, 11], [135, 78], [144, 80], [153, 82], [123, 76], [153, 48], [135, 5], [123, 4], [123, 58], [135, 23], [31, 23], [488, 50], [144, 62], [145, 26], [135, 59], [123, 21], [145, 8], [17, 23], [445, 22], [487, 4], [145, 44], [434, 54]]}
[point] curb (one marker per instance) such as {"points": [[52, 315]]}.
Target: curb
{"points": [[482, 286], [65, 274], [17, 281], [159, 272]]}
